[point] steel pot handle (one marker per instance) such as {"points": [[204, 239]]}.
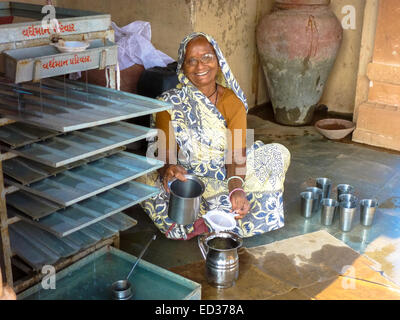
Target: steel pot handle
{"points": [[203, 250]]}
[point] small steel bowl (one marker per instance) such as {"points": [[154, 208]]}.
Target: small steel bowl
{"points": [[122, 290]]}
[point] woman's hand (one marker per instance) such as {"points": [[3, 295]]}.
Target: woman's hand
{"points": [[240, 204], [170, 172]]}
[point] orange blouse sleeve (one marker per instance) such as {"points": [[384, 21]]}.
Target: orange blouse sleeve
{"points": [[234, 112]]}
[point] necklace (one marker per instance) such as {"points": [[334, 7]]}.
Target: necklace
{"points": [[216, 99], [216, 88]]}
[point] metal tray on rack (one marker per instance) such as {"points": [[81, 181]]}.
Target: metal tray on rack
{"points": [[67, 105], [35, 63], [19, 134], [78, 216], [83, 182], [63, 150], [38, 247], [26, 171]]}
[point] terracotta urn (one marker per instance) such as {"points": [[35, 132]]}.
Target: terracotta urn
{"points": [[298, 43]]}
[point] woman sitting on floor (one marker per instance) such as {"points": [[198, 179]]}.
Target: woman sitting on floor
{"points": [[208, 125]]}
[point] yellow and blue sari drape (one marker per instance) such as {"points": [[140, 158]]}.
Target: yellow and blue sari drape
{"points": [[202, 136]]}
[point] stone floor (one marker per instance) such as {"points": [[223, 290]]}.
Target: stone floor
{"points": [[375, 173]]}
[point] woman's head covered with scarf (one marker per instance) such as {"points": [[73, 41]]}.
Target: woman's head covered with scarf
{"points": [[224, 77]]}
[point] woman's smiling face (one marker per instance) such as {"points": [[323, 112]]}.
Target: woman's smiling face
{"points": [[201, 74]]}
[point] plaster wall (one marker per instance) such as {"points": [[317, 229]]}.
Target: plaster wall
{"points": [[170, 19], [340, 89], [233, 23]]}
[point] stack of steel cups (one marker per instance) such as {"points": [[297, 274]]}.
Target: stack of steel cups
{"points": [[347, 206], [317, 195], [328, 205], [307, 203], [311, 198], [310, 201]]}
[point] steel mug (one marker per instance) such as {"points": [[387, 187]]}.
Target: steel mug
{"points": [[185, 198], [219, 249]]}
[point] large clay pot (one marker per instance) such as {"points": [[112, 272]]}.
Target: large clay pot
{"points": [[298, 43]]}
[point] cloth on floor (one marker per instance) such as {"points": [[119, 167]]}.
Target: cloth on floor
{"points": [[310, 266]]}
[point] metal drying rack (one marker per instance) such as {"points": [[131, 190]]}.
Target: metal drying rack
{"points": [[21, 44]]}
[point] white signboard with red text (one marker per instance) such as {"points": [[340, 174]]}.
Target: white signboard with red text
{"points": [[27, 64]]}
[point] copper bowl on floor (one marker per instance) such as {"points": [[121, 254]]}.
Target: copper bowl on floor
{"points": [[334, 129]]}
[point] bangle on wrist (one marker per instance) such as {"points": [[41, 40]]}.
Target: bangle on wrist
{"points": [[234, 190], [235, 177]]}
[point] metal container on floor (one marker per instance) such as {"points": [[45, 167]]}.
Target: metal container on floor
{"points": [[329, 207], [325, 185], [317, 193], [344, 189], [367, 211], [307, 202], [347, 211], [219, 249]]}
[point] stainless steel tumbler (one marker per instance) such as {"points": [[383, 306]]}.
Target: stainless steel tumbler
{"points": [[344, 188], [347, 211], [307, 201], [329, 207], [325, 185], [318, 197], [367, 211]]}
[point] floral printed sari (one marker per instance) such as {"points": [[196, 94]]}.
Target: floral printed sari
{"points": [[201, 134]]}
